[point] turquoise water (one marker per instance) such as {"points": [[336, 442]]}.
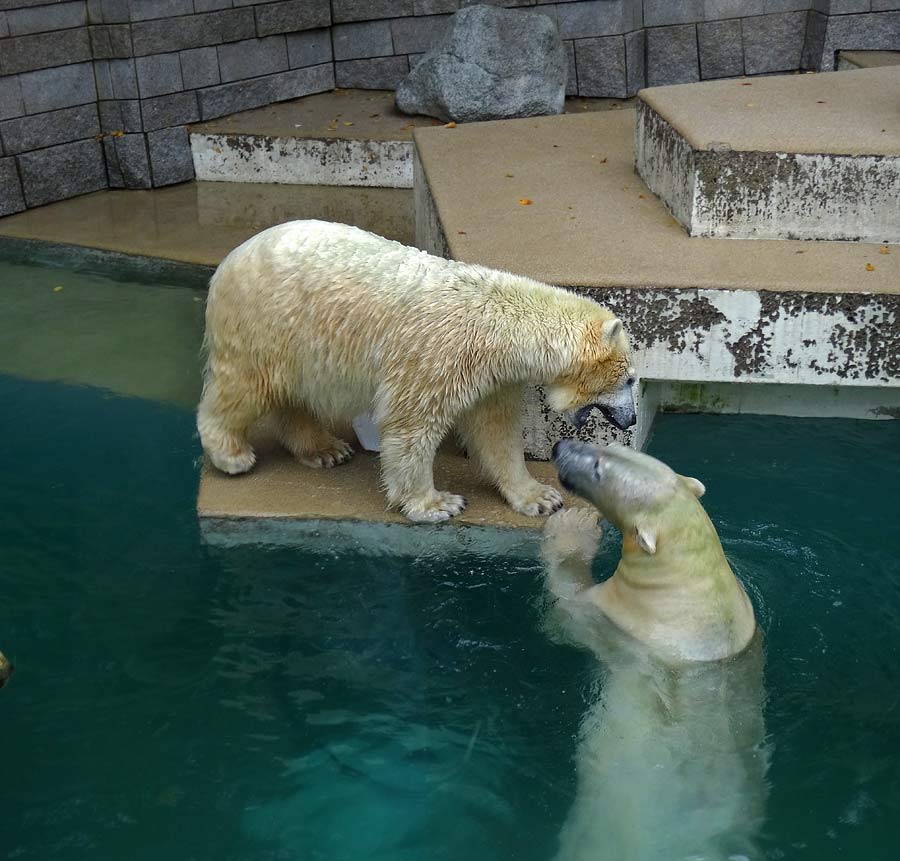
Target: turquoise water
{"points": [[176, 701]]}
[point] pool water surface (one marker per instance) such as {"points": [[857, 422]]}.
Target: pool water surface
{"points": [[173, 700]]}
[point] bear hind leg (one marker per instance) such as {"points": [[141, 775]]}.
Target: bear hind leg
{"points": [[223, 425], [308, 441]]}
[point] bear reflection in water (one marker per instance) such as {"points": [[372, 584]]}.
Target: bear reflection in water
{"points": [[671, 758]]}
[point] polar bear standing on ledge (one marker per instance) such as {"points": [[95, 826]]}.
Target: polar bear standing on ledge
{"points": [[313, 323]]}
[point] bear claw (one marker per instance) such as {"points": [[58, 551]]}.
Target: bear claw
{"points": [[441, 507], [538, 501], [340, 452]]}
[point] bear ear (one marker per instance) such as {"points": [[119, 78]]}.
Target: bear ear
{"points": [[646, 540], [694, 485], [611, 329]]}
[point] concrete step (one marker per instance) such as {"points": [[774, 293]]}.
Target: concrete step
{"points": [[849, 60], [786, 157]]}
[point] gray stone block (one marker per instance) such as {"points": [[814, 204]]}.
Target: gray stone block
{"points": [[115, 11], [362, 39], [4, 27], [120, 115], [594, 18], [94, 11], [721, 49], [434, 7], [170, 156], [635, 61], [715, 10], [292, 15], [211, 5], [378, 73], [787, 6], [252, 58], [103, 79], [62, 87], [11, 104], [873, 32], [571, 68], [309, 48], [59, 172], [110, 41], [659, 13], [47, 129], [492, 63], [192, 31], [885, 5], [146, 10], [44, 50], [302, 82], [814, 41], [601, 67], [232, 98], [11, 197], [773, 43], [127, 162], [417, 35], [124, 79], [172, 110], [200, 68], [672, 55], [158, 74], [45, 18], [367, 10]]}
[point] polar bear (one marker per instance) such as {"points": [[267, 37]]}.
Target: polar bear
{"points": [[314, 323], [671, 759]]}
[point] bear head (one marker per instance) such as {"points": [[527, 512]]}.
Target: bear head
{"points": [[600, 377]]}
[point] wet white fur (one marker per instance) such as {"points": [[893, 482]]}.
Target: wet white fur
{"points": [[314, 323], [671, 759]]}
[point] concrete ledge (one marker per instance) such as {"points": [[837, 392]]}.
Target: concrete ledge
{"points": [[792, 157], [849, 60], [282, 501]]}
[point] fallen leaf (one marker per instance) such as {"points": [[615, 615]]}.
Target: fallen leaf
{"points": [[751, 105], [884, 250], [372, 116], [57, 288], [99, 137], [821, 102], [118, 134], [435, 122], [746, 84], [450, 125], [799, 252], [347, 124], [524, 201], [870, 267], [461, 232], [641, 197], [555, 146], [603, 160], [510, 175]]}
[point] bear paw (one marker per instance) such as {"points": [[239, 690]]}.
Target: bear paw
{"points": [[440, 506], [234, 464], [573, 532], [536, 500], [335, 454]]}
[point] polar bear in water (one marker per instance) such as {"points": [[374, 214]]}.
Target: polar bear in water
{"points": [[671, 757]]}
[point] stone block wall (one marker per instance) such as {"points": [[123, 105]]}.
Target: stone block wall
{"points": [[98, 93]]}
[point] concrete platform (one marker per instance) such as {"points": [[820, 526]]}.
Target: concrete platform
{"points": [[200, 222], [849, 60], [281, 501], [339, 138], [785, 157], [819, 314]]}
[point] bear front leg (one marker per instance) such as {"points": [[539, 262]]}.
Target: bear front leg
{"points": [[492, 433], [407, 467]]}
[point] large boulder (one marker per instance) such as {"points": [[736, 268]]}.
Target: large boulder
{"points": [[491, 64]]}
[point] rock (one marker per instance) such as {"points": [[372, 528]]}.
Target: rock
{"points": [[491, 64], [6, 669]]}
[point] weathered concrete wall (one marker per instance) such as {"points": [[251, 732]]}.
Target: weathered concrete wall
{"points": [[768, 195], [813, 341], [303, 161]]}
